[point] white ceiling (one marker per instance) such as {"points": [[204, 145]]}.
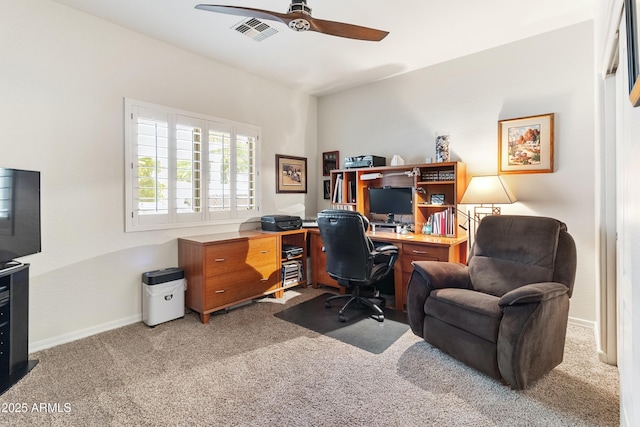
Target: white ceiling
{"points": [[422, 33]]}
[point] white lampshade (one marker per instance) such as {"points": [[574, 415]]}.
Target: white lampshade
{"points": [[487, 190]]}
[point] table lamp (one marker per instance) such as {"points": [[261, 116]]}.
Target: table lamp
{"points": [[486, 190]]}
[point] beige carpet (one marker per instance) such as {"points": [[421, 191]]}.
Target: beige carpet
{"points": [[249, 368]]}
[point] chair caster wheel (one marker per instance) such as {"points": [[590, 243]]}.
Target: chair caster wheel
{"points": [[342, 318]]}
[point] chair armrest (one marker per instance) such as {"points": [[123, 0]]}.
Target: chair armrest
{"points": [[386, 248], [438, 274], [533, 293], [427, 276], [384, 251], [387, 254], [532, 331]]}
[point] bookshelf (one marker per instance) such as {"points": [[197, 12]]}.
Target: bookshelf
{"points": [[438, 188]]}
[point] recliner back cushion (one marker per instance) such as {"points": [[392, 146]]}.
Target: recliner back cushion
{"points": [[511, 251]]}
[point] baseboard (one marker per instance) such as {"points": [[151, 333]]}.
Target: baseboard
{"points": [[581, 322], [83, 333]]}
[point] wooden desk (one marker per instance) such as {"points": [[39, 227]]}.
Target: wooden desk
{"points": [[411, 247], [226, 269]]}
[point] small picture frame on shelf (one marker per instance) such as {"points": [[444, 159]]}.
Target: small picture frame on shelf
{"points": [[437, 199]]}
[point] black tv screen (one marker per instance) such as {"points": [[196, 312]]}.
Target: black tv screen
{"points": [[391, 200], [19, 214]]}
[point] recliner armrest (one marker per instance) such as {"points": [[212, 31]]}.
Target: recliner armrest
{"points": [[533, 293], [438, 274]]}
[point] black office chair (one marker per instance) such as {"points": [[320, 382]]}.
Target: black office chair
{"points": [[352, 259]]}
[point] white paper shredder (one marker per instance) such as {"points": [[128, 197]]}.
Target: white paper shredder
{"points": [[162, 295]]}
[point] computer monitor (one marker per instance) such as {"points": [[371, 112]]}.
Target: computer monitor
{"points": [[391, 201]]}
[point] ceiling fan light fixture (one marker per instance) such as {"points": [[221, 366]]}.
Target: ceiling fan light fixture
{"points": [[299, 24]]}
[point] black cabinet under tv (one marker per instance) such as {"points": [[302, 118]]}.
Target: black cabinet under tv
{"points": [[14, 325]]}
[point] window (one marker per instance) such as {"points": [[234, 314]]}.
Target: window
{"points": [[186, 169]]}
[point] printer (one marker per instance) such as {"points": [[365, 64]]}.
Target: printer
{"points": [[280, 222]]}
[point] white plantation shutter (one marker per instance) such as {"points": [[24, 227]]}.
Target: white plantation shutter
{"points": [[246, 172], [219, 190], [185, 169], [188, 182], [150, 167]]}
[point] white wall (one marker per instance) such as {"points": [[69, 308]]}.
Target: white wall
{"points": [[63, 77], [549, 73]]}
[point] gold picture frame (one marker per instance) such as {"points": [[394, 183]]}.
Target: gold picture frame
{"points": [[525, 145], [632, 9], [291, 174]]}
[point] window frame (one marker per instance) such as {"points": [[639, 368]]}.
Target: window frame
{"points": [[173, 219]]}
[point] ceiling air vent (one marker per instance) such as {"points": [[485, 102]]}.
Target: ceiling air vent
{"points": [[255, 29]]}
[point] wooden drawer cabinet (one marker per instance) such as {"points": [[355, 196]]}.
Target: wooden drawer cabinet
{"points": [[411, 252], [236, 256], [226, 269], [229, 288]]}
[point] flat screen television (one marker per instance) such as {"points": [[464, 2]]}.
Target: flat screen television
{"points": [[19, 214], [391, 201]]}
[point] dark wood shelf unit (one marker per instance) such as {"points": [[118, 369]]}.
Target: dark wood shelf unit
{"points": [[14, 325]]}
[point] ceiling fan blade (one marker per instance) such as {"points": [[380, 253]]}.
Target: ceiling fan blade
{"points": [[246, 11], [346, 30]]}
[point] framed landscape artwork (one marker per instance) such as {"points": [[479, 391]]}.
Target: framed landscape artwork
{"points": [[525, 145], [291, 174]]}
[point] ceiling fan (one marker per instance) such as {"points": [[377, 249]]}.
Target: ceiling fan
{"points": [[298, 18]]}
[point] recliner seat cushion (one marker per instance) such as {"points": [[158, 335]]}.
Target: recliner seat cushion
{"points": [[471, 311]]}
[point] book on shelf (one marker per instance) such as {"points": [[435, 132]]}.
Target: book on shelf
{"points": [[443, 222], [352, 192], [343, 207], [337, 190]]}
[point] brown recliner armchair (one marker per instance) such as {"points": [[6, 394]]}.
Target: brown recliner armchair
{"points": [[505, 313]]}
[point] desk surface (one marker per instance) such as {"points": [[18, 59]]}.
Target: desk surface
{"points": [[237, 235], [388, 236]]}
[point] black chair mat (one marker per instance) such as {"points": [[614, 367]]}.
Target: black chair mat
{"points": [[359, 330]]}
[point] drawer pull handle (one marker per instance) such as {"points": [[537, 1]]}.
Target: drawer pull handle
{"points": [[419, 252], [264, 280], [220, 291], [219, 259], [264, 252]]}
